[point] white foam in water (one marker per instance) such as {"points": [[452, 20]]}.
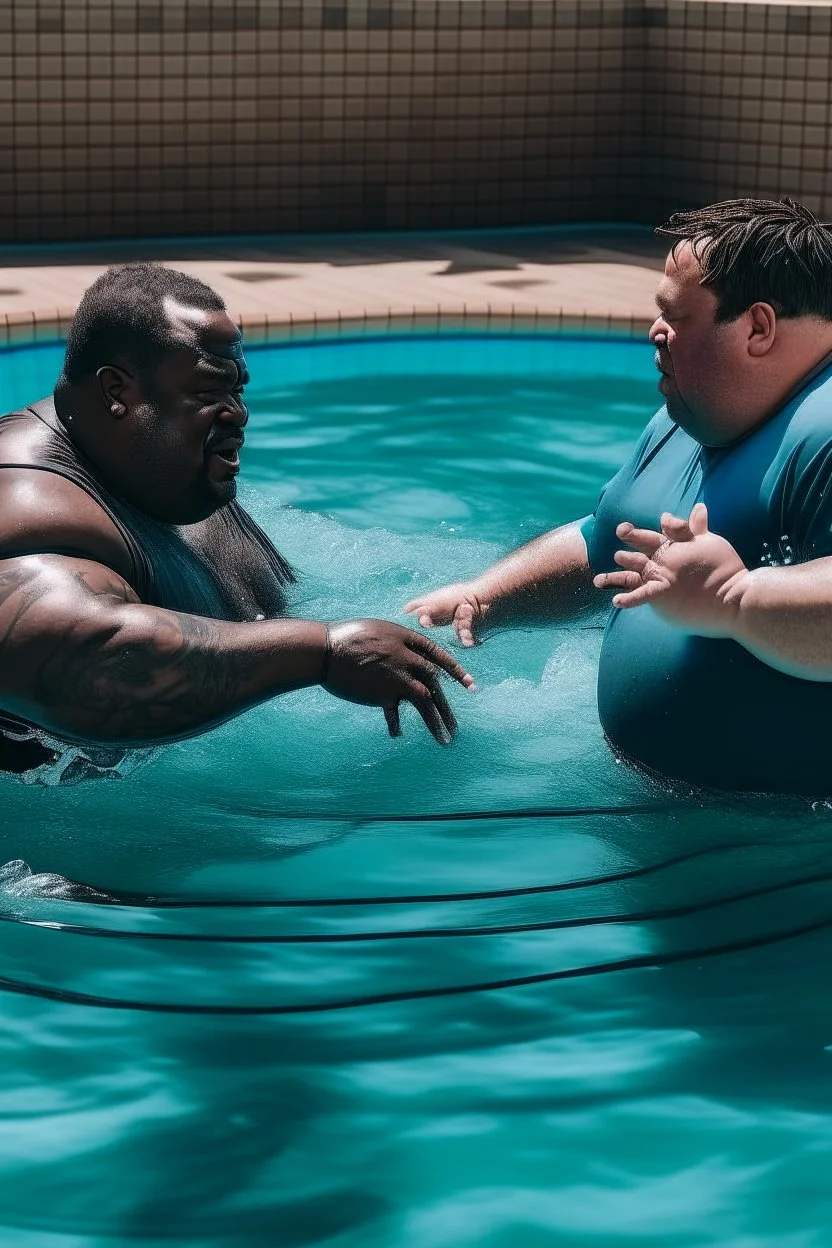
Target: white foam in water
{"points": [[529, 736], [17, 880], [283, 778]]}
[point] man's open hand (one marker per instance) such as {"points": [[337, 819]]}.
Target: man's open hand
{"points": [[688, 574], [453, 604], [377, 663]]}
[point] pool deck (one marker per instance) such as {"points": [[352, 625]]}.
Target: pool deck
{"points": [[592, 277]]}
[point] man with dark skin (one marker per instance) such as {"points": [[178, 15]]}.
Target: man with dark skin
{"points": [[138, 602]]}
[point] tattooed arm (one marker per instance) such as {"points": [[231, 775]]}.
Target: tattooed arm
{"points": [[82, 657]]}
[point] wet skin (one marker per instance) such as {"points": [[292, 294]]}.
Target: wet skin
{"points": [[82, 657], [173, 449]]}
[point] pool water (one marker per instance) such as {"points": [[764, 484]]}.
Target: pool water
{"points": [[370, 993]]}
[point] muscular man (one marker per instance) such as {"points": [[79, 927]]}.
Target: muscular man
{"points": [[716, 663], [138, 601]]}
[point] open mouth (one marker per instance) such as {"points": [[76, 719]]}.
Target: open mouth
{"points": [[228, 451], [230, 456]]}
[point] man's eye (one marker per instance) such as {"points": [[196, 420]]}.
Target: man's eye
{"points": [[218, 396]]}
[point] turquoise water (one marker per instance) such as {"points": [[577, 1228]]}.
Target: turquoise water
{"points": [[660, 1074]]}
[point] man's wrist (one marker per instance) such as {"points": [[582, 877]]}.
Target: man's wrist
{"points": [[738, 598], [304, 643], [327, 658]]}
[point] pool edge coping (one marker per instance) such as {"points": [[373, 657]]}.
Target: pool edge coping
{"points": [[22, 329]]}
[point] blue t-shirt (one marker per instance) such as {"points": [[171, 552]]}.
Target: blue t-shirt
{"points": [[702, 709]]}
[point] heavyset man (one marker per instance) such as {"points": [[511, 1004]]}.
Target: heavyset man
{"points": [[716, 663], [138, 601]]}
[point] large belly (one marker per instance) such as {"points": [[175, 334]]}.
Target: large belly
{"points": [[708, 712]]}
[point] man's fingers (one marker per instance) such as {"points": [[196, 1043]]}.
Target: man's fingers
{"points": [[698, 520], [428, 677], [675, 528], [639, 596], [617, 580], [639, 571], [421, 612], [440, 658], [631, 559], [646, 540], [422, 699], [464, 624], [443, 706], [394, 727]]}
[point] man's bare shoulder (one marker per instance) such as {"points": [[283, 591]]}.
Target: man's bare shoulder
{"points": [[42, 512]]}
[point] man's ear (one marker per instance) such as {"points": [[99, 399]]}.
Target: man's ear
{"points": [[762, 328], [119, 390]]}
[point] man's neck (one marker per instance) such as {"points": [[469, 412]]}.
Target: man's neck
{"points": [[69, 407], [807, 364], [802, 351], [806, 379]]}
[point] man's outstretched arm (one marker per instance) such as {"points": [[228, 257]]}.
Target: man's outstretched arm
{"points": [[545, 580], [81, 656]]}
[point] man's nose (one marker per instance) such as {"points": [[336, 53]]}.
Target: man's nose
{"points": [[658, 332], [234, 412]]}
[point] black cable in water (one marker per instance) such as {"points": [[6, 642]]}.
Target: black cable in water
{"points": [[453, 816], [67, 996], [429, 933], [159, 901]]}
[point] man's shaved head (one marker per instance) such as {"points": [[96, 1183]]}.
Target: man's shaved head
{"points": [[134, 314], [152, 391]]}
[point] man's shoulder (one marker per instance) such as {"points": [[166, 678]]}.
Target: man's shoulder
{"points": [[42, 512], [22, 432], [809, 407], [806, 428]]}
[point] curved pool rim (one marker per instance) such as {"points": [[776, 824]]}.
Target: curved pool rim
{"points": [[50, 326]]}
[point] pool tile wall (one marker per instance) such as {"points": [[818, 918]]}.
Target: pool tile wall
{"points": [[737, 102], [124, 118]]}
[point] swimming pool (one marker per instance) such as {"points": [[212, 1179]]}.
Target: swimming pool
{"points": [[658, 1071]]}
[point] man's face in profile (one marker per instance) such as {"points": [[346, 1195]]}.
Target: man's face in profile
{"points": [[189, 426], [697, 355]]}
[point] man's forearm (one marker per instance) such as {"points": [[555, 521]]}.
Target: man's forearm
{"points": [[784, 617], [547, 579], [144, 674]]}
